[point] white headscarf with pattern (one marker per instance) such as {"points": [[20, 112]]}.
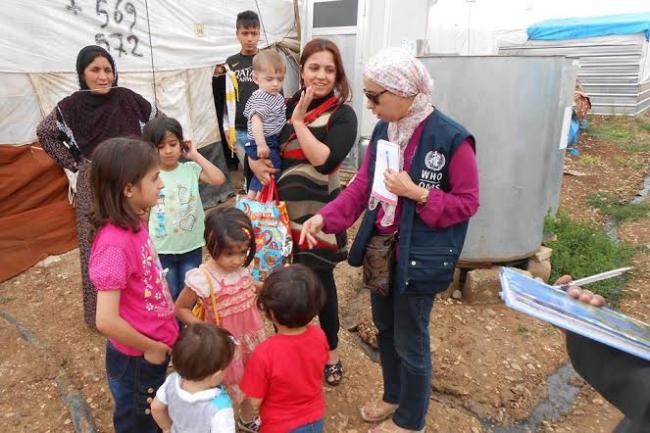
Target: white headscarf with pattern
{"points": [[397, 71]]}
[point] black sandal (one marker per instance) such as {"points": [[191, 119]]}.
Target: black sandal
{"points": [[333, 373]]}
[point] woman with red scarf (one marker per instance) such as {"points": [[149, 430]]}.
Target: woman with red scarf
{"points": [[320, 132], [79, 122]]}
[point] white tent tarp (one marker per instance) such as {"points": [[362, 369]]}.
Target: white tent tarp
{"points": [[40, 41]]}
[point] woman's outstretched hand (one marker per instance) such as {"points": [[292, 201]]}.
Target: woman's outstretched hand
{"points": [[300, 110], [583, 295], [310, 229]]}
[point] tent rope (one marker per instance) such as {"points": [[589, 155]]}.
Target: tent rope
{"points": [[259, 13], [153, 69]]}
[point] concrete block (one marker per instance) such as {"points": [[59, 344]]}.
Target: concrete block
{"points": [[543, 253], [482, 286], [540, 269]]}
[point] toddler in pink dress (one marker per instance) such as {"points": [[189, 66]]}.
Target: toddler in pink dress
{"points": [[225, 287]]}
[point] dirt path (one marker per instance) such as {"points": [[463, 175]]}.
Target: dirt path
{"points": [[490, 364]]}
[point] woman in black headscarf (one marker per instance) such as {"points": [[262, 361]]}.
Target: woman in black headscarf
{"points": [[79, 122]]}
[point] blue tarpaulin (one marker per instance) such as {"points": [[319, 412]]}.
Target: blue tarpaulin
{"points": [[587, 27]]}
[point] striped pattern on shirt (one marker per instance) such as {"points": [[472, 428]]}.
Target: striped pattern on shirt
{"points": [[306, 188], [271, 108]]}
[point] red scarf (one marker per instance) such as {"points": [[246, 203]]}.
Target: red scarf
{"points": [[310, 116]]}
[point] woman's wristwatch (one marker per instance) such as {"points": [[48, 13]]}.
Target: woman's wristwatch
{"points": [[424, 195]]}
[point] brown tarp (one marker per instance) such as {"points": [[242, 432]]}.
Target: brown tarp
{"points": [[36, 219]]}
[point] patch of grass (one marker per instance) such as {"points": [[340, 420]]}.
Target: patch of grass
{"points": [[643, 125], [591, 161], [580, 249], [631, 136], [612, 205], [522, 329], [637, 146], [5, 299], [629, 163], [610, 131]]}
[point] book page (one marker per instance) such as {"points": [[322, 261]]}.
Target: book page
{"points": [[386, 157]]}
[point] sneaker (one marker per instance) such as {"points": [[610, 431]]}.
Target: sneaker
{"points": [[252, 426]]}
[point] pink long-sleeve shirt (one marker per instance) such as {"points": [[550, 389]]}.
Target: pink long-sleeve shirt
{"points": [[442, 209]]}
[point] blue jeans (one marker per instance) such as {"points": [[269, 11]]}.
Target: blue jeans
{"points": [[133, 383], [314, 427], [251, 152], [402, 321], [177, 266]]}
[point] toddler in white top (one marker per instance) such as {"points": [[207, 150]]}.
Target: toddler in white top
{"points": [[192, 400]]}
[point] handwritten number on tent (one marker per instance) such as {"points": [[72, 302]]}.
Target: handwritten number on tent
{"points": [[101, 11], [118, 15], [128, 15], [73, 7]]}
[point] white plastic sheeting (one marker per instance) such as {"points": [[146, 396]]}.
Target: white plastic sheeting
{"points": [[39, 42]]}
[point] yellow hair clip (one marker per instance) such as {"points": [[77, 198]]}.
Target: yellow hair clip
{"points": [[246, 232]]}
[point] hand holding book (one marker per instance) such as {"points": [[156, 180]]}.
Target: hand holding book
{"points": [[577, 292]]}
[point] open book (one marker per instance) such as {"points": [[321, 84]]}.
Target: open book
{"points": [[552, 305]]}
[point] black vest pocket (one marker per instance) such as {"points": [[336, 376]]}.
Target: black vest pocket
{"points": [[432, 265]]}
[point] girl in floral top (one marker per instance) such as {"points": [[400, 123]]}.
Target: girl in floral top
{"points": [[225, 287]]}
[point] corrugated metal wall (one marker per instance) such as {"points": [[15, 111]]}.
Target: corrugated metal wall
{"points": [[611, 70]]}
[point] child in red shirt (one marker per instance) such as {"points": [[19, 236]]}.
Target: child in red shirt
{"points": [[284, 375]]}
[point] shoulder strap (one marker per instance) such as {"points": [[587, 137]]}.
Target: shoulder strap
{"points": [[213, 298]]}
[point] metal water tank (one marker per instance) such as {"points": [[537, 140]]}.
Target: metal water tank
{"points": [[517, 109]]}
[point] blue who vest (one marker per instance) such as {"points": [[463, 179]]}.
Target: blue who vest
{"points": [[427, 256]]}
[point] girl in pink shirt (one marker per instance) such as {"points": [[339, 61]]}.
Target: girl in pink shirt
{"points": [[134, 306]]}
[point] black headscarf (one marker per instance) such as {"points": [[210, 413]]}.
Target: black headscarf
{"points": [[93, 117], [86, 57]]}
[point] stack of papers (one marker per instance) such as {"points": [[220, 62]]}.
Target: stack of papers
{"points": [[554, 306], [387, 158]]}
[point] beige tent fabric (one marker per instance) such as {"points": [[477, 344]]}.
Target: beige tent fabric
{"points": [[36, 219]]}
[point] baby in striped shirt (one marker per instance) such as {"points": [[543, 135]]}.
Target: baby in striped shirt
{"points": [[265, 111]]}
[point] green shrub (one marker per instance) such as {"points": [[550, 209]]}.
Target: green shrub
{"points": [[581, 249]]}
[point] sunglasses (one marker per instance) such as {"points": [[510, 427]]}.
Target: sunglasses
{"points": [[374, 96]]}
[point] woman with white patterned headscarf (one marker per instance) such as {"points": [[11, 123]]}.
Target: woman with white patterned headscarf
{"points": [[408, 245]]}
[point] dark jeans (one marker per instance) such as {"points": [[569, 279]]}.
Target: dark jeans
{"points": [[403, 324], [251, 151], [329, 315], [177, 266], [314, 427], [133, 383]]}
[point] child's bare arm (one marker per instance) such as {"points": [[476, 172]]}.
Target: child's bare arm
{"points": [[250, 407], [110, 324], [257, 127], [184, 305], [210, 173], [160, 414]]}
